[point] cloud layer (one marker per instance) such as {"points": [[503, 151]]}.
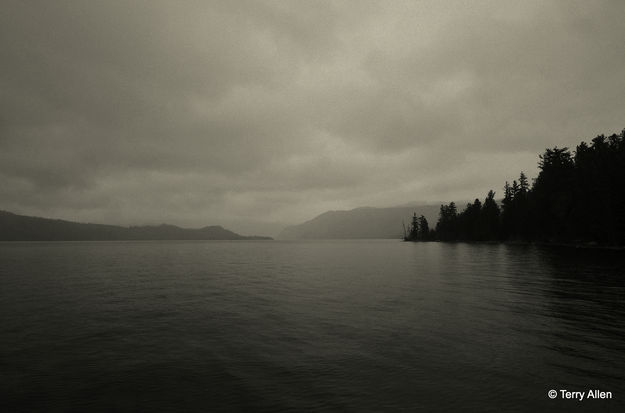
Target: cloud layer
{"points": [[253, 114]]}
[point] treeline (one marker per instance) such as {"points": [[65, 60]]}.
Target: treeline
{"points": [[577, 197]]}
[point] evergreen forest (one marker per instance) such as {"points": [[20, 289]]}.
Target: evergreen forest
{"points": [[577, 197]]}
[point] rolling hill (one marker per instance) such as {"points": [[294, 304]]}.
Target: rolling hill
{"points": [[15, 227], [362, 222]]}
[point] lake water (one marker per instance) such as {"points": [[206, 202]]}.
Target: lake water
{"points": [[367, 325]]}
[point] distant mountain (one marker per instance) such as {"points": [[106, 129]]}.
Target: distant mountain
{"points": [[23, 228], [360, 223]]}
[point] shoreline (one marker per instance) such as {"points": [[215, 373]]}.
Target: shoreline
{"points": [[588, 245]]}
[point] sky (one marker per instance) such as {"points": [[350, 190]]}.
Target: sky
{"points": [[258, 114]]}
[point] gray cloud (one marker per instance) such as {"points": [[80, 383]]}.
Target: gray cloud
{"points": [[253, 114]]}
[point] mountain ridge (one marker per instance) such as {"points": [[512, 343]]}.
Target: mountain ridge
{"points": [[361, 222], [14, 227]]}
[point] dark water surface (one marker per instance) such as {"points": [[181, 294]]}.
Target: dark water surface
{"points": [[308, 326]]}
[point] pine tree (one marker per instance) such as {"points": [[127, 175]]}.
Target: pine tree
{"points": [[424, 229], [414, 227], [490, 217], [523, 184]]}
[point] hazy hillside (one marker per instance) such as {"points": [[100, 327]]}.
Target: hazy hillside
{"points": [[23, 228], [360, 223]]}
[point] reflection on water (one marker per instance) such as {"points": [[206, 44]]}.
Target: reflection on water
{"points": [[309, 326]]}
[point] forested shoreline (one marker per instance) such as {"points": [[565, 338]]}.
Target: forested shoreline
{"points": [[578, 197]]}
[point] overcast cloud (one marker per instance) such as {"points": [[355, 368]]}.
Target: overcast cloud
{"points": [[254, 114]]}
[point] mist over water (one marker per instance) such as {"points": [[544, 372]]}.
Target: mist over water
{"points": [[371, 325]]}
